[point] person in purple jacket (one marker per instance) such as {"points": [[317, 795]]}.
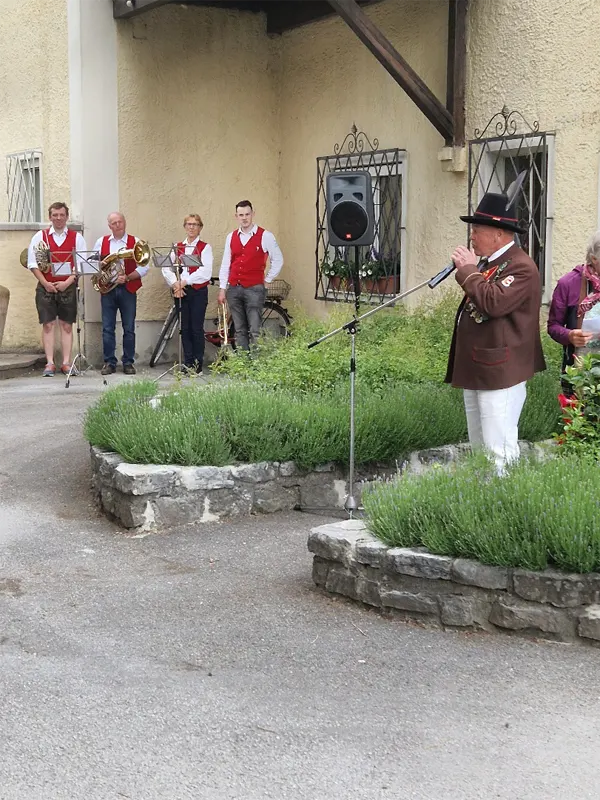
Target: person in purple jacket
{"points": [[574, 318]]}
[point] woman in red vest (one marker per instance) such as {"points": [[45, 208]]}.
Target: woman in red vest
{"points": [[195, 259], [242, 273], [123, 298]]}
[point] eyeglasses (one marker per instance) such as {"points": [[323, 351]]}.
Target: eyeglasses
{"points": [[192, 225]]}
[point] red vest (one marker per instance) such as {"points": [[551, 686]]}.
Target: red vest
{"points": [[197, 253], [129, 263], [62, 253], [247, 261]]}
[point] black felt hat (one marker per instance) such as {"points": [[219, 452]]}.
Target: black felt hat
{"points": [[496, 211]]}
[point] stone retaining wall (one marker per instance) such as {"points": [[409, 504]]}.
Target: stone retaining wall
{"points": [[454, 592], [149, 496]]}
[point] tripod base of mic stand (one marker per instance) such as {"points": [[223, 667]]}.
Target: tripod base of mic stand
{"points": [[77, 369]]}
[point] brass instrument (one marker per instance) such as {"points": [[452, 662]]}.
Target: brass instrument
{"points": [[112, 266], [42, 257], [223, 323]]}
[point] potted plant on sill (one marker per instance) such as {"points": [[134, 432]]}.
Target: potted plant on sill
{"points": [[337, 273]]}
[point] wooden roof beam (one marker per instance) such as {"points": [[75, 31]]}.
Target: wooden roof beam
{"points": [[123, 9], [387, 55], [457, 67]]}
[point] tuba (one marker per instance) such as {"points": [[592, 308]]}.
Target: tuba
{"points": [[223, 323], [42, 257], [112, 266]]}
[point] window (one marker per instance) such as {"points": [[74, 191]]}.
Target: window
{"points": [[24, 186], [493, 165], [380, 264]]}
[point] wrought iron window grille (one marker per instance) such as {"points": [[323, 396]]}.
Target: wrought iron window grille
{"points": [[380, 265], [24, 186], [508, 145]]}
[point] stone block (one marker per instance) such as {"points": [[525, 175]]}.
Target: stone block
{"points": [[192, 479], [287, 469], [408, 601], [520, 617], [472, 573], [341, 581], [260, 472], [103, 464], [463, 612], [557, 588], [141, 479], [320, 569], [336, 541], [367, 591], [589, 623], [370, 551], [272, 497], [322, 491], [417, 562]]}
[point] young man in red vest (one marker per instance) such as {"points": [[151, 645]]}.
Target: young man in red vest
{"points": [[56, 294], [242, 273], [122, 298]]}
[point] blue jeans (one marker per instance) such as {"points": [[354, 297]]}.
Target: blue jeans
{"points": [[193, 311], [246, 305], [119, 299]]}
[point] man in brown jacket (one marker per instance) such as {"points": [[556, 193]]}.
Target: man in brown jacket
{"points": [[496, 344]]}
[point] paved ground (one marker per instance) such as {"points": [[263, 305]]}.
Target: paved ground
{"points": [[203, 664]]}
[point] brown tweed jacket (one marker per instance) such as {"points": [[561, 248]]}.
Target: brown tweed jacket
{"points": [[496, 341]]}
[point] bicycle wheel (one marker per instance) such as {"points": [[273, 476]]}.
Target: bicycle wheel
{"points": [[168, 329], [275, 320]]}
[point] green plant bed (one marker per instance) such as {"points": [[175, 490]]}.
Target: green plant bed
{"points": [[540, 514]]}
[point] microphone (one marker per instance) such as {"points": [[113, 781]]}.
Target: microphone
{"points": [[441, 276]]}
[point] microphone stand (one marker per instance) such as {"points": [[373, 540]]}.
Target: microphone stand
{"points": [[351, 327]]}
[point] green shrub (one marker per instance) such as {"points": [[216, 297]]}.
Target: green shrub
{"points": [[581, 432], [539, 514], [246, 423]]}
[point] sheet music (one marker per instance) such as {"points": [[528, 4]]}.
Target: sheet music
{"points": [[61, 269]]}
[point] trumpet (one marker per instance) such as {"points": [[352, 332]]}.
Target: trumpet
{"points": [[223, 323], [112, 266]]}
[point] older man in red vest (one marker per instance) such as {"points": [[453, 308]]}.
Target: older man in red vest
{"points": [[122, 298], [242, 273]]}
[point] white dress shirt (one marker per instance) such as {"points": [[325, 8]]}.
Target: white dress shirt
{"points": [[59, 238], [269, 245], [202, 274], [114, 245]]}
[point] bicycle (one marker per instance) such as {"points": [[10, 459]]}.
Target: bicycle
{"points": [[275, 321]]}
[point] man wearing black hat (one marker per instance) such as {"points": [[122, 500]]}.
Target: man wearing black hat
{"points": [[496, 344]]}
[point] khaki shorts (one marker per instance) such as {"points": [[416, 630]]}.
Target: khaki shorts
{"points": [[51, 305]]}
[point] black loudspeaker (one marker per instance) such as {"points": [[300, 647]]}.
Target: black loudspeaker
{"points": [[350, 211]]}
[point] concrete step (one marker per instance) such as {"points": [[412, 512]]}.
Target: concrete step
{"points": [[14, 365]]}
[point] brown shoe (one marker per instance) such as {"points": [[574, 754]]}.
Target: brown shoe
{"points": [[108, 369], [128, 369]]}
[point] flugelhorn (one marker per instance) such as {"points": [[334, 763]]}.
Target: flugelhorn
{"points": [[112, 266]]}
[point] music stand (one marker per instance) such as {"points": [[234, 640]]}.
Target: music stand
{"points": [[168, 258], [87, 262]]}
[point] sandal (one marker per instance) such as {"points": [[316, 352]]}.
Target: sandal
{"points": [[49, 371], [66, 368]]}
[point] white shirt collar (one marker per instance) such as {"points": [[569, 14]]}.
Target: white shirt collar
{"points": [[122, 239], [53, 232], [500, 252], [251, 232], [192, 243]]}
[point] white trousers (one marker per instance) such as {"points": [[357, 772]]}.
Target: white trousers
{"points": [[493, 421]]}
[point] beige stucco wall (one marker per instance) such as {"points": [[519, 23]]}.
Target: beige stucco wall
{"points": [[34, 96], [198, 127], [329, 80], [22, 331], [546, 63]]}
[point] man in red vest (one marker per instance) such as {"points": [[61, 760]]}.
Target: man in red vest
{"points": [[56, 294], [242, 273], [122, 298]]}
